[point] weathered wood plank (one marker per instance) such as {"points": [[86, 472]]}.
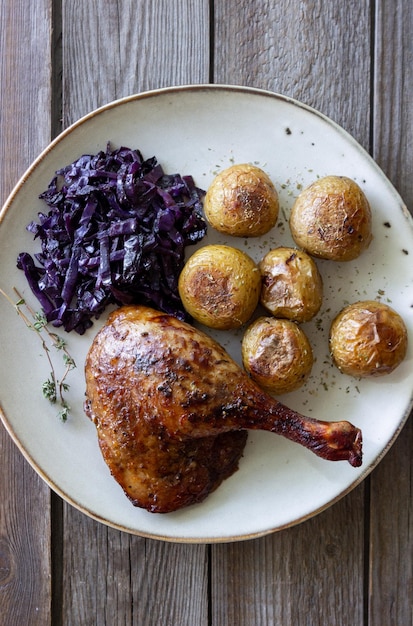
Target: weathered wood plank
{"points": [[393, 79], [320, 55], [391, 526], [391, 536], [25, 129], [115, 49], [309, 574], [130, 580], [316, 52], [111, 50]]}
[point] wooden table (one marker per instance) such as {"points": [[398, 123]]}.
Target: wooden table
{"points": [[350, 565]]}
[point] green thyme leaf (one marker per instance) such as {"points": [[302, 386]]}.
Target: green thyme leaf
{"points": [[52, 389], [49, 389]]}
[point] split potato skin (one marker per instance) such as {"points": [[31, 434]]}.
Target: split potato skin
{"points": [[220, 286], [368, 339], [242, 201], [277, 354], [331, 219], [292, 286]]}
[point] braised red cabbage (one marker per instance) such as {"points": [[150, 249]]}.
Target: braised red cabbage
{"points": [[115, 233]]}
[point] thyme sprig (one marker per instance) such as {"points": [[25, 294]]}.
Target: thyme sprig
{"points": [[53, 389]]}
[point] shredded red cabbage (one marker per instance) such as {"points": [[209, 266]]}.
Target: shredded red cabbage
{"points": [[115, 233]]}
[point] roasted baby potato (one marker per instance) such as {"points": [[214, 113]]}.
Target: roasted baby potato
{"points": [[242, 201], [292, 287], [277, 354], [368, 339], [220, 286], [331, 219]]}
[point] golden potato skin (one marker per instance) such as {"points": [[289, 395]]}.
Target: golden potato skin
{"points": [[277, 354], [220, 286], [292, 286], [331, 219], [242, 201], [368, 339]]}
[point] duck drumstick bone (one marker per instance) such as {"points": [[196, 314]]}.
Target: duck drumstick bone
{"points": [[155, 382]]}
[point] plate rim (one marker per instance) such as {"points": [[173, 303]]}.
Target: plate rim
{"points": [[222, 87], [176, 90]]}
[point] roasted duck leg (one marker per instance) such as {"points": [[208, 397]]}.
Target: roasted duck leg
{"points": [[171, 410]]}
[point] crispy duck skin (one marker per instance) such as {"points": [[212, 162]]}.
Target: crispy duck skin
{"points": [[172, 410]]}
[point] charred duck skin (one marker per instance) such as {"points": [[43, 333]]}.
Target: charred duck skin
{"points": [[172, 409]]}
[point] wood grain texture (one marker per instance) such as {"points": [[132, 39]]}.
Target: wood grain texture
{"points": [[391, 532], [278, 46], [25, 130], [391, 524], [24, 541], [115, 49], [310, 574], [24, 113], [316, 52], [393, 80], [130, 580], [127, 47], [353, 563]]}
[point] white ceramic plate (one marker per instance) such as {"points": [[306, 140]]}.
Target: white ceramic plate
{"points": [[200, 130]]}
